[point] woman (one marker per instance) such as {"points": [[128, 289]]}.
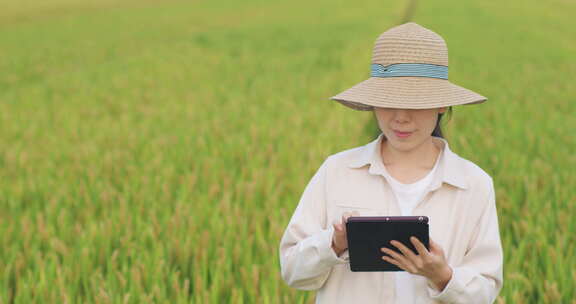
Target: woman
{"points": [[408, 170]]}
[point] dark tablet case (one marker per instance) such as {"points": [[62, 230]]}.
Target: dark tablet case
{"points": [[367, 234]]}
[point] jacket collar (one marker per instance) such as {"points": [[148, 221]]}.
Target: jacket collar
{"points": [[451, 167]]}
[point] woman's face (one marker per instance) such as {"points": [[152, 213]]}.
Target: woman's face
{"points": [[406, 129]]}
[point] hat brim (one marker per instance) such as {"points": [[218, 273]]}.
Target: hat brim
{"points": [[406, 93]]}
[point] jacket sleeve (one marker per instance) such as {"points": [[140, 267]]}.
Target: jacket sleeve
{"points": [[306, 255], [479, 278]]}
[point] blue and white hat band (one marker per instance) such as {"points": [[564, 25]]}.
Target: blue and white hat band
{"points": [[409, 69]]}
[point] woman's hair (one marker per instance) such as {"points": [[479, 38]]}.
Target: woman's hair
{"points": [[437, 130]]}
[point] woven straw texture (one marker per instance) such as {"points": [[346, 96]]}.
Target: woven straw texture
{"points": [[407, 43]]}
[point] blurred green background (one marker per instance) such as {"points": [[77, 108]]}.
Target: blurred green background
{"points": [[154, 151]]}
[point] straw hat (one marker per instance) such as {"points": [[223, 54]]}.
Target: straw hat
{"points": [[409, 70]]}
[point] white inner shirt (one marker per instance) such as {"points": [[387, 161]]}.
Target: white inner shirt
{"points": [[407, 196]]}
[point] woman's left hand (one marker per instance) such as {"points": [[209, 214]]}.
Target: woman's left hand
{"points": [[430, 264]]}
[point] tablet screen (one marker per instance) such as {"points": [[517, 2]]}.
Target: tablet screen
{"points": [[367, 234]]}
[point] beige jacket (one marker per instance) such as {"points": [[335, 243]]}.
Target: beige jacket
{"points": [[460, 204]]}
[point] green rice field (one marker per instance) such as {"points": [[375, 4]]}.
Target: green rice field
{"points": [[154, 151]]}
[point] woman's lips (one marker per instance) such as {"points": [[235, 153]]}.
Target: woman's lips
{"points": [[402, 134]]}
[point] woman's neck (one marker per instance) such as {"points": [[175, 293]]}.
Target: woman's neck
{"points": [[423, 156]]}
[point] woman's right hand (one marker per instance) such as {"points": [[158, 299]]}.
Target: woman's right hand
{"points": [[339, 239]]}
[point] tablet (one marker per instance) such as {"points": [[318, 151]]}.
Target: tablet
{"points": [[367, 234]]}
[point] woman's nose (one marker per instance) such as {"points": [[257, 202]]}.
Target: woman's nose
{"points": [[401, 115]]}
